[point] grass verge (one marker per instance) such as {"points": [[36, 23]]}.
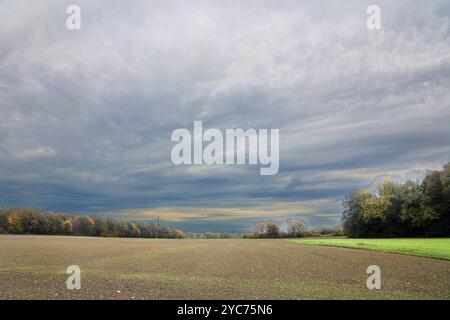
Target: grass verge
{"points": [[438, 248]]}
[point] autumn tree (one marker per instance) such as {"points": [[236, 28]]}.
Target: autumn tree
{"points": [[32, 221], [14, 223], [68, 227], [273, 229], [401, 209]]}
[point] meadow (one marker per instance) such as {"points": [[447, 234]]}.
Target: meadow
{"points": [[34, 267], [434, 248]]}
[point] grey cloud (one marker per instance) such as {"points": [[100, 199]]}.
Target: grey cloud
{"points": [[86, 116]]}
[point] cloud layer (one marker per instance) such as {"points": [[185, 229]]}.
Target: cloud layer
{"points": [[86, 116]]}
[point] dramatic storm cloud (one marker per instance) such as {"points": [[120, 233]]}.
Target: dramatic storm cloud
{"points": [[86, 115]]}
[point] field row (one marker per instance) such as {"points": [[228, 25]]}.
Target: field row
{"points": [[34, 267]]}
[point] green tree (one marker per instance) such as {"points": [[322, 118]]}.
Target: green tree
{"points": [[3, 221], [353, 224], [408, 209], [445, 216], [29, 220], [411, 211], [101, 227], [433, 201]]}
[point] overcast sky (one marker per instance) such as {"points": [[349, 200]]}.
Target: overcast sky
{"points": [[86, 115]]}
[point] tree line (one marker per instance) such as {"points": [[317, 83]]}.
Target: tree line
{"points": [[410, 209], [296, 228], [32, 221]]}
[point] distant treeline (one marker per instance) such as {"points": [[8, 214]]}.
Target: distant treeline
{"points": [[296, 228], [407, 209], [32, 221]]}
